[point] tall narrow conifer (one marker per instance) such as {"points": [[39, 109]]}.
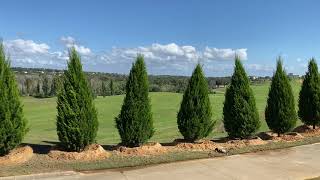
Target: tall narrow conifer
{"points": [[134, 123], [280, 112], [195, 115], [309, 97], [77, 122], [240, 114], [13, 125]]}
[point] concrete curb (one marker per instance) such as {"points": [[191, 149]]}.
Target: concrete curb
{"points": [[42, 175]]}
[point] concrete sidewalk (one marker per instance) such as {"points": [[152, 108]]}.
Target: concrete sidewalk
{"points": [[294, 163]]}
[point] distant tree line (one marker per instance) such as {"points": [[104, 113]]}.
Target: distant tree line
{"points": [[44, 83]]}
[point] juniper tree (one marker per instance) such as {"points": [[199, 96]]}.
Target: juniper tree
{"points": [[111, 87], [39, 92], [135, 123], [28, 84], [309, 97], [55, 85], [13, 125], [77, 122], [280, 113], [103, 89], [194, 118], [240, 114], [45, 86]]}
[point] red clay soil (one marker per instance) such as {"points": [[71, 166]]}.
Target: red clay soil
{"points": [[17, 156], [196, 146], [210, 145], [231, 144], [144, 150], [92, 152]]}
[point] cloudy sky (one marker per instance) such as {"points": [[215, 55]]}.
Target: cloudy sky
{"points": [[173, 35]]}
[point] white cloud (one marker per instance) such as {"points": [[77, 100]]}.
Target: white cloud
{"points": [[224, 54], [26, 46], [71, 42], [160, 58]]}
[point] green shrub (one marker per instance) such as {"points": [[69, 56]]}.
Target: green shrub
{"points": [[280, 112], [194, 117], [77, 122], [134, 123], [240, 114], [12, 123], [309, 97]]}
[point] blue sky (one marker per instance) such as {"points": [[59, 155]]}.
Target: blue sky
{"points": [[172, 34]]}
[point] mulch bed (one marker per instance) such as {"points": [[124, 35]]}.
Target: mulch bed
{"points": [[17, 156], [92, 152]]}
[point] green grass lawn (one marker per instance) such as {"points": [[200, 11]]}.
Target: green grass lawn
{"points": [[41, 115]]}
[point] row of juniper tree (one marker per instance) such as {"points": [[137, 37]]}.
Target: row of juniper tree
{"points": [[77, 122]]}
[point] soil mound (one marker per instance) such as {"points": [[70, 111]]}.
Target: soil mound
{"points": [[144, 150], [200, 145], [231, 144], [91, 152], [17, 155], [210, 145]]}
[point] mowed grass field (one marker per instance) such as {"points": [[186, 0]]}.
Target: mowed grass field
{"points": [[41, 114]]}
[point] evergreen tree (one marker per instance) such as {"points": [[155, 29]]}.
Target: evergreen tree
{"points": [[77, 122], [240, 114], [13, 126], [134, 123], [28, 84], [280, 112], [111, 88], [45, 87], [93, 91], [103, 89], [39, 92], [195, 117], [55, 85], [309, 97]]}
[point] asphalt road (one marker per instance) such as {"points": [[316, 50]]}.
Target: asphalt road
{"points": [[294, 163]]}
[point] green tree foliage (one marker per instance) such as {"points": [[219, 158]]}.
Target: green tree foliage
{"points": [[39, 93], [194, 117], [111, 87], [12, 123], [280, 112], [28, 85], [135, 123], [240, 114], [104, 90], [45, 87], [77, 122], [309, 97], [55, 85]]}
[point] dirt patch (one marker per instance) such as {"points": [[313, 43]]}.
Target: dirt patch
{"points": [[307, 131], [17, 156], [144, 150], [92, 152], [211, 145], [293, 136], [180, 144], [232, 144]]}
